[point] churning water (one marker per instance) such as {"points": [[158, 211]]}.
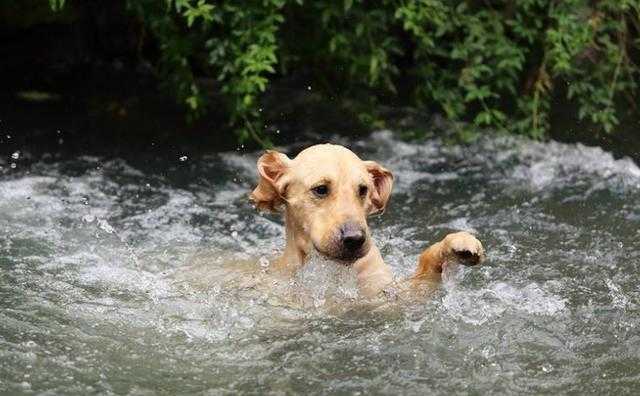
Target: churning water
{"points": [[144, 278]]}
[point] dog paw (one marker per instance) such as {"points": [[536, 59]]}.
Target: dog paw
{"points": [[464, 248]]}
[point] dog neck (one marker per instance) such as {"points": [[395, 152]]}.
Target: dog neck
{"points": [[372, 273], [297, 245]]}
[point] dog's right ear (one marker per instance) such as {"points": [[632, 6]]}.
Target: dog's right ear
{"points": [[267, 196]]}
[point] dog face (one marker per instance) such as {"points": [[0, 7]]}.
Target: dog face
{"points": [[327, 193]]}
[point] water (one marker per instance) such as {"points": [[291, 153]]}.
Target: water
{"points": [[147, 277]]}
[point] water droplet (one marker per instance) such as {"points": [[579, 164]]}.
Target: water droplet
{"points": [[106, 227], [13, 165], [309, 88], [15, 155], [264, 262], [183, 158]]}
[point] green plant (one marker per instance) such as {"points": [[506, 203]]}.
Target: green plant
{"points": [[498, 64], [56, 5], [232, 42]]}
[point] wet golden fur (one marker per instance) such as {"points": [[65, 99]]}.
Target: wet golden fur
{"points": [[355, 190]]}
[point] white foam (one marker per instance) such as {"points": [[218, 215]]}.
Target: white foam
{"points": [[546, 164], [323, 279], [479, 306], [618, 298]]}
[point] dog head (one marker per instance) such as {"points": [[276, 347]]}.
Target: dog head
{"points": [[327, 192]]}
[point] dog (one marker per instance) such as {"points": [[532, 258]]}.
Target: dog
{"points": [[326, 194]]}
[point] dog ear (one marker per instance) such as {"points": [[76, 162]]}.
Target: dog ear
{"points": [[267, 196], [383, 183]]}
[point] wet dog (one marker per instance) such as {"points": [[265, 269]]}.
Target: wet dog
{"points": [[326, 194]]}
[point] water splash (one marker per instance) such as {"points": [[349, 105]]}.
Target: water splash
{"points": [[171, 264]]}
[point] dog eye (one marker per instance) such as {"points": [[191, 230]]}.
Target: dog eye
{"points": [[321, 191], [363, 190]]}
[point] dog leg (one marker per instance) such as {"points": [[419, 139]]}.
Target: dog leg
{"points": [[372, 273]]}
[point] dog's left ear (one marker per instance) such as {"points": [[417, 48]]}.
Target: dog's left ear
{"points": [[383, 182], [267, 196]]}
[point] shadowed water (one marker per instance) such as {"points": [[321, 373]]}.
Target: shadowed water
{"points": [[151, 277]]}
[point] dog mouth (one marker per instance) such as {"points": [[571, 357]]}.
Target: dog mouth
{"points": [[345, 258]]}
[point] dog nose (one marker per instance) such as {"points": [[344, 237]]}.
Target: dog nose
{"points": [[352, 236]]}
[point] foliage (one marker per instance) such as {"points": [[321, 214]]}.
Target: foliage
{"points": [[56, 5], [500, 64]]}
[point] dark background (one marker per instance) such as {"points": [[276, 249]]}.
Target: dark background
{"points": [[81, 81]]}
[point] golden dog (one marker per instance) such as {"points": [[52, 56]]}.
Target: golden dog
{"points": [[327, 192]]}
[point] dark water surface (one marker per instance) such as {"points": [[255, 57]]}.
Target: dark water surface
{"points": [[98, 294]]}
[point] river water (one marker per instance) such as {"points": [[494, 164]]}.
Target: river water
{"points": [[151, 277]]}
